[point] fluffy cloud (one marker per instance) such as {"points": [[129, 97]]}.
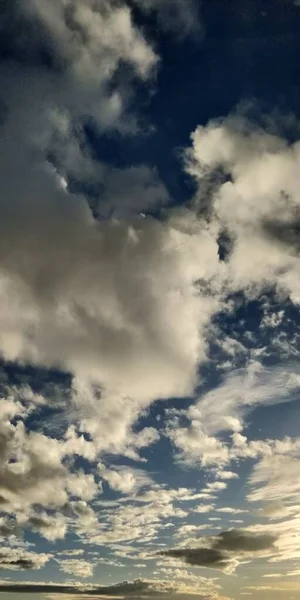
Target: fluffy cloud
{"points": [[254, 175], [110, 262], [77, 567], [82, 36], [18, 558], [52, 528], [114, 302], [33, 467], [124, 479], [223, 408], [34, 472]]}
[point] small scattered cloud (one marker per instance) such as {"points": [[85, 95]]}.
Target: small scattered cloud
{"points": [[77, 567]]}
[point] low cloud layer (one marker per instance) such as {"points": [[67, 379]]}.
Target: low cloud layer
{"points": [[126, 589]]}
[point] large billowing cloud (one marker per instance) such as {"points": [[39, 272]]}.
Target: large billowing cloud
{"points": [[115, 302]]}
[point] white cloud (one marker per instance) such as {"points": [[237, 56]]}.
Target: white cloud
{"points": [[77, 567], [89, 34], [71, 552], [276, 478], [226, 475], [223, 409], [203, 508], [258, 206], [50, 527], [230, 511], [34, 472], [124, 479]]}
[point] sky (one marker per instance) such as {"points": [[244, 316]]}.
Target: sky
{"points": [[149, 299]]}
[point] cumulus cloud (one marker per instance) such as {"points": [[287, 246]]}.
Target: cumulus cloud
{"points": [[32, 470], [35, 473], [77, 567], [259, 179], [223, 409], [114, 302], [124, 479], [50, 527], [18, 558], [80, 294], [88, 309], [70, 52], [82, 36]]}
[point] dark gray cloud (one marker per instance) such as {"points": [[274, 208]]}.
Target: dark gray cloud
{"points": [[204, 557], [222, 550], [18, 559], [284, 232], [181, 17], [243, 541], [136, 589]]}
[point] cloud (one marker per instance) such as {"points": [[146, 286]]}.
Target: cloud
{"points": [[33, 472], [124, 479], [222, 551], [82, 36], [77, 567], [128, 191], [230, 510], [144, 326], [223, 409], [124, 303], [52, 528], [131, 523], [127, 349], [71, 552], [223, 474], [147, 587], [19, 559], [70, 53], [96, 324], [259, 179], [179, 17], [276, 479], [73, 305]]}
